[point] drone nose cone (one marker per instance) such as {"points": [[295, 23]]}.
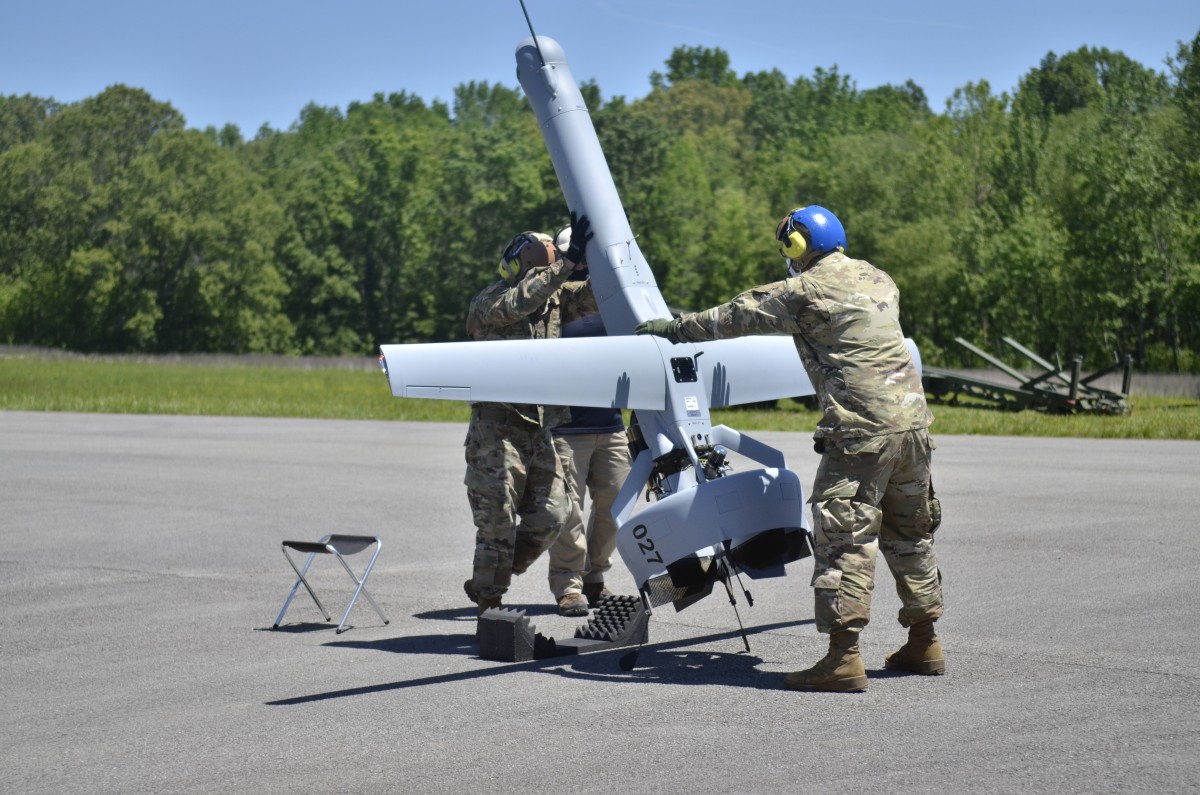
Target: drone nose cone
{"points": [[551, 50]]}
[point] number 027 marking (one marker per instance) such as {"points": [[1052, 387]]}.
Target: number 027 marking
{"points": [[646, 544]]}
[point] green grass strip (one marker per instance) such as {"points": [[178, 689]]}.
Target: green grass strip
{"points": [[227, 388]]}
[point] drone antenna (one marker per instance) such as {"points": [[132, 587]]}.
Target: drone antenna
{"points": [[737, 572], [733, 601], [531, 33]]}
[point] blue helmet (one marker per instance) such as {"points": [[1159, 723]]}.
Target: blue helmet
{"points": [[825, 232]]}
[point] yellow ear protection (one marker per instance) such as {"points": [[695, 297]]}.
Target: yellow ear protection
{"points": [[510, 264], [793, 245]]}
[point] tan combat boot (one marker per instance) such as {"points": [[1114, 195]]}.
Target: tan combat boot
{"points": [[484, 603], [922, 654], [572, 604], [839, 671]]}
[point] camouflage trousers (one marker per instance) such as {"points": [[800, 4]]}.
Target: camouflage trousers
{"points": [[517, 495], [873, 495], [596, 465]]}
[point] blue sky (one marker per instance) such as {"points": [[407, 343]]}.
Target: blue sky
{"points": [[252, 62]]}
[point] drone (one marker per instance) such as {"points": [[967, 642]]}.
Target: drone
{"points": [[704, 523]]}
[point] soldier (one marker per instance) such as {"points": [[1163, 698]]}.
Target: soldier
{"points": [[514, 480], [873, 489], [595, 457]]}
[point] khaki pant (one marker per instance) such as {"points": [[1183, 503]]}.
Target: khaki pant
{"points": [[872, 495], [596, 465], [516, 490], [568, 553]]}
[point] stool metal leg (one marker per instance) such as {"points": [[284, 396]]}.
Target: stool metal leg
{"points": [[362, 585], [300, 579]]}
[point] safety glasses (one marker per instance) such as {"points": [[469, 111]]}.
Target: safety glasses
{"points": [[515, 247]]}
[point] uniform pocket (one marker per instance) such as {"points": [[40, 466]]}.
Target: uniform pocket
{"points": [[827, 600], [844, 488], [935, 509], [471, 441], [869, 445], [827, 579]]}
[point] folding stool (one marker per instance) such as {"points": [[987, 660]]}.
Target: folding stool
{"points": [[339, 546]]}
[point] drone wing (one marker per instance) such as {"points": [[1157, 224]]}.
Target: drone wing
{"points": [[590, 371], [623, 371]]}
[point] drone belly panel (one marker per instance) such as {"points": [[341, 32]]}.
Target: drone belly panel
{"points": [[733, 509]]}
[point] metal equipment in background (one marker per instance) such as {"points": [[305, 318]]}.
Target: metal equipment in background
{"points": [[1055, 390]]}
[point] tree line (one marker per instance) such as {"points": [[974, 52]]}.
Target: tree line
{"points": [[1066, 215]]}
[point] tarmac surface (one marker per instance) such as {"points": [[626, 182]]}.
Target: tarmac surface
{"points": [[142, 572]]}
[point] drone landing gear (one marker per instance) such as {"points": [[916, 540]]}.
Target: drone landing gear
{"points": [[725, 576]]}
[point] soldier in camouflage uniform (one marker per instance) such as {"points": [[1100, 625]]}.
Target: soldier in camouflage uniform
{"points": [[514, 480], [873, 489], [594, 451]]}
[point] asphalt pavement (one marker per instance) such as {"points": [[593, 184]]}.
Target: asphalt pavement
{"points": [[142, 572]]}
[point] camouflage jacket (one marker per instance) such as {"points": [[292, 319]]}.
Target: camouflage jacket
{"points": [[844, 315], [534, 308]]}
